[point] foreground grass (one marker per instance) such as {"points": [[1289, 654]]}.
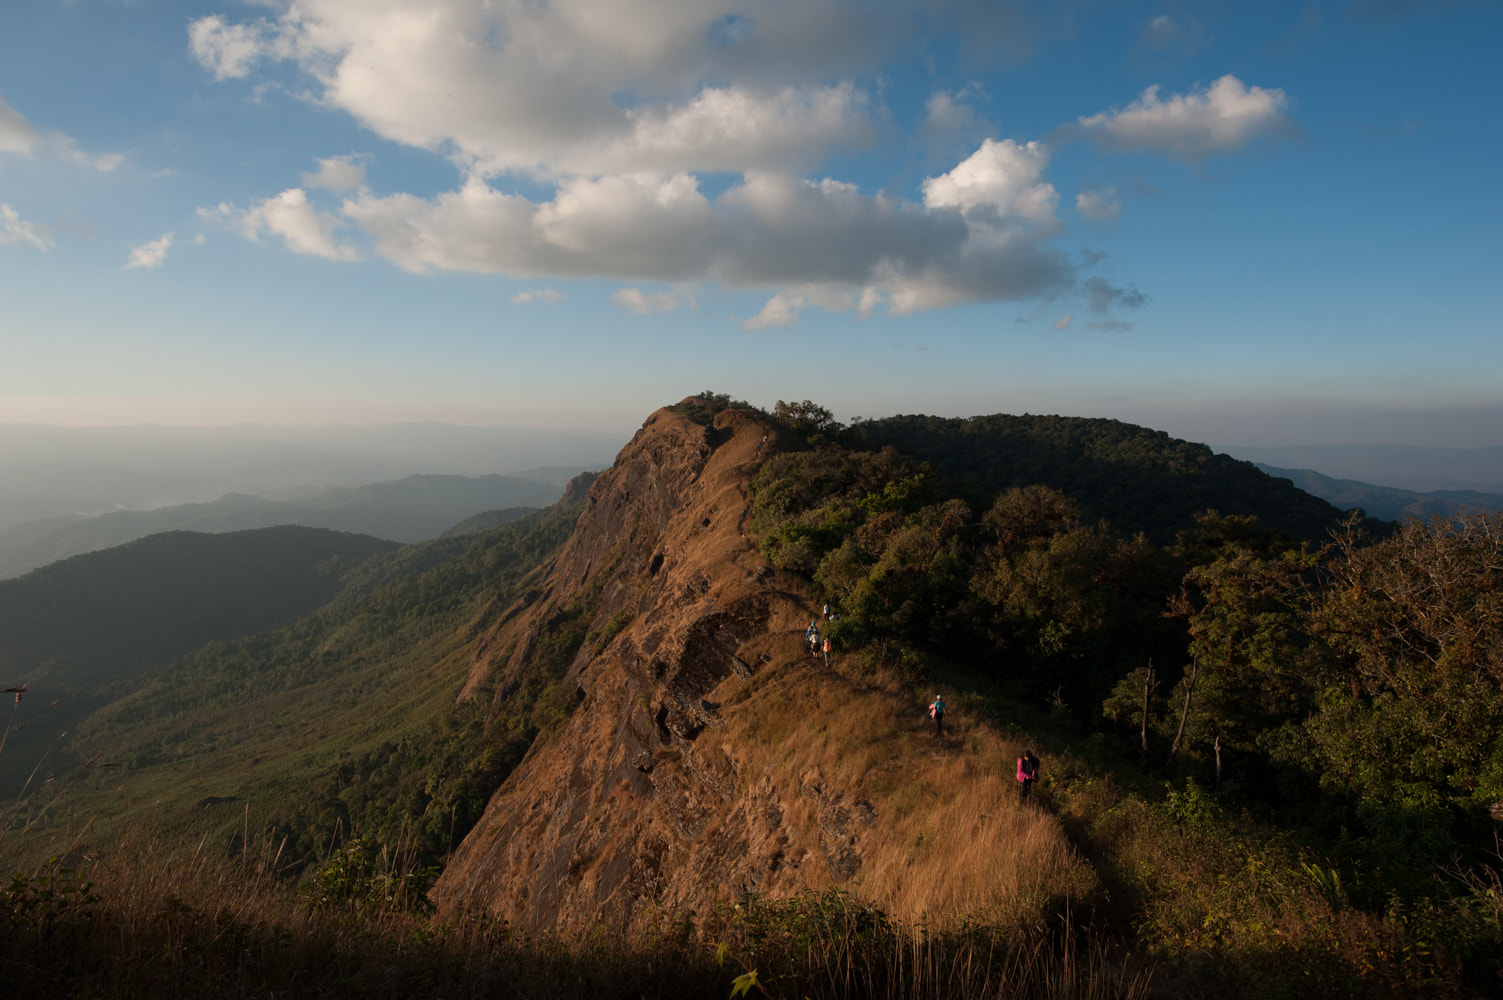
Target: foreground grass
{"points": [[138, 920]]}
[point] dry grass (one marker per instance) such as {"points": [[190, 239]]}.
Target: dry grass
{"points": [[950, 844], [148, 919]]}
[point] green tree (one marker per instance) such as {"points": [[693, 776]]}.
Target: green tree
{"points": [[1409, 694]]}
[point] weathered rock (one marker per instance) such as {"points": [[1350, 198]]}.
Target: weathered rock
{"points": [[626, 805]]}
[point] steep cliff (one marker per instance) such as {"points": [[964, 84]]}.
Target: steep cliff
{"points": [[708, 754]]}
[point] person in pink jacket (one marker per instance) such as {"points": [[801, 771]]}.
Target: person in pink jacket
{"points": [[1028, 773]]}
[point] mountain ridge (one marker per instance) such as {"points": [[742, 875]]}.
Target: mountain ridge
{"points": [[411, 509], [1386, 503]]}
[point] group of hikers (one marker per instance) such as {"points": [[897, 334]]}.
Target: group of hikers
{"points": [[815, 643], [1028, 764]]}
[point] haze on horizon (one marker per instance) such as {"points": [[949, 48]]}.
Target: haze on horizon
{"points": [[1243, 224]]}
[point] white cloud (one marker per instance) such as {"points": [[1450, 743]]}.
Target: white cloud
{"points": [[14, 229], [231, 50], [1099, 204], [339, 174], [634, 300], [1063, 323], [152, 254], [784, 307], [575, 87], [292, 217], [1001, 177], [547, 296], [840, 248], [622, 107], [16, 133], [1222, 118]]}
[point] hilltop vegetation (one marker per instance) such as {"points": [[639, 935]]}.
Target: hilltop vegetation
{"points": [[1137, 479], [1371, 667]]}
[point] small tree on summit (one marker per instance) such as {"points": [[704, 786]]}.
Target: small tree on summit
{"points": [[806, 417]]}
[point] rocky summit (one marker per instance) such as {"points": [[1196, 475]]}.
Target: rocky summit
{"points": [[709, 754]]}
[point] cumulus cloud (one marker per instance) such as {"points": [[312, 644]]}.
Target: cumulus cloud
{"points": [[672, 144], [338, 174], [547, 296], [986, 239], [634, 300], [290, 216], [572, 86], [149, 255], [14, 229], [230, 51], [1219, 119], [783, 308], [1099, 203], [1001, 178]]}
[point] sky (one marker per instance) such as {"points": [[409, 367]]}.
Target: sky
{"points": [[1243, 223]]}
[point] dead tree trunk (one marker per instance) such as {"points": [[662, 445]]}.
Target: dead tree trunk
{"points": [[1149, 683], [1218, 762], [1184, 714]]}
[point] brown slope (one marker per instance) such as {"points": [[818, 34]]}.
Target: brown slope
{"points": [[708, 755]]}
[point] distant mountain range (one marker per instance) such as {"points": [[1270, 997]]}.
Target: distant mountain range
{"points": [[1403, 467], [406, 510], [1385, 502], [50, 471]]}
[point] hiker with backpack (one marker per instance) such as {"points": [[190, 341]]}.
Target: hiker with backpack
{"points": [[827, 651], [937, 713], [1028, 773]]}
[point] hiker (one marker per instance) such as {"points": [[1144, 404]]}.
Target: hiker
{"points": [[1028, 773], [814, 644], [827, 612], [827, 652], [937, 713]]}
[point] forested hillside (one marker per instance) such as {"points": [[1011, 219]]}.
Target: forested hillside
{"points": [[1357, 684], [344, 722], [93, 620], [1136, 478]]}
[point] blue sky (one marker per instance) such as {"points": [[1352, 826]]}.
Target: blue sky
{"points": [[1242, 223]]}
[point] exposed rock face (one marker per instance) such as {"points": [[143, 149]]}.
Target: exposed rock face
{"points": [[630, 803], [708, 754]]}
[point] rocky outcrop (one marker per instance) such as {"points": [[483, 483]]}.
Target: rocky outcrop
{"points": [[707, 755], [630, 803]]}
